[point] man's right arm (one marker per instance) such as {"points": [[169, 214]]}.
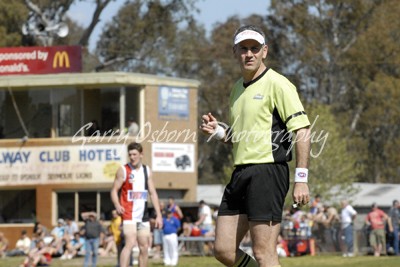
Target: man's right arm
{"points": [[118, 181]]}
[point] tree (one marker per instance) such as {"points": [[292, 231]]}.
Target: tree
{"points": [[140, 37], [332, 165], [11, 20], [334, 54]]}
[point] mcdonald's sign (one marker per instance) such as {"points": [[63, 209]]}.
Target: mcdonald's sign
{"points": [[60, 59], [40, 60]]}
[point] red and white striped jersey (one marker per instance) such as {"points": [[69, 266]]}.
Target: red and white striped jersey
{"points": [[134, 193]]}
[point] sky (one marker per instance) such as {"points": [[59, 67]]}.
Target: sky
{"points": [[211, 12]]}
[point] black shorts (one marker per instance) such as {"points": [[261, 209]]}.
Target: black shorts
{"points": [[258, 190]]}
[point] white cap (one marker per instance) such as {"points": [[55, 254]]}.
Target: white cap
{"points": [[249, 35]]}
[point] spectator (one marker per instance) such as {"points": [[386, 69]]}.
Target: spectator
{"points": [[316, 204], [71, 227], [133, 127], [333, 224], [38, 256], [394, 217], [171, 226], [58, 233], [22, 246], [174, 208], [3, 245], [109, 244], [347, 216], [157, 232], [376, 218], [74, 247], [204, 220], [91, 231], [115, 229]]}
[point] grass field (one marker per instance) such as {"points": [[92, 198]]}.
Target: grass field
{"points": [[186, 261]]}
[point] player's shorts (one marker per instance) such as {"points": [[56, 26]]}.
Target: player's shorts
{"points": [[141, 228], [258, 190]]}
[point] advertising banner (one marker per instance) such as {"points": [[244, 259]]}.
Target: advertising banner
{"points": [[58, 164], [40, 60], [172, 157], [173, 103]]}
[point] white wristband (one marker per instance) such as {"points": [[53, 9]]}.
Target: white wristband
{"points": [[219, 133], [301, 175]]}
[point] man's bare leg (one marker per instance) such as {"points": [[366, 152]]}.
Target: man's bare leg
{"points": [[143, 243], [229, 232], [264, 236], [130, 241]]}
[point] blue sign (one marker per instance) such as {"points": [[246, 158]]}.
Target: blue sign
{"points": [[173, 103]]}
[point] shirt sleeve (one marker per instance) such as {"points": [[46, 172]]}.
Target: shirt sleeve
{"points": [[289, 106]]}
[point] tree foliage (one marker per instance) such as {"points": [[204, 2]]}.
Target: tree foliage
{"points": [[140, 37], [337, 52], [12, 14]]}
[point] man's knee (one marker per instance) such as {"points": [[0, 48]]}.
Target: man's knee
{"points": [[224, 254]]}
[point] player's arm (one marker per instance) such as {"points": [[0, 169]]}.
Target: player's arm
{"points": [[301, 192], [154, 200], [118, 181]]}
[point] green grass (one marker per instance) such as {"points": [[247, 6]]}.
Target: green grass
{"points": [[186, 261]]}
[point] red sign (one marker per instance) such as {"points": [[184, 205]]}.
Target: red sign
{"points": [[40, 60]]}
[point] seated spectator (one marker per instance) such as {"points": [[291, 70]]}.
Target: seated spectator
{"points": [[3, 245], [108, 244], [22, 246], [71, 227], [38, 256], [205, 222], [74, 247], [58, 241]]}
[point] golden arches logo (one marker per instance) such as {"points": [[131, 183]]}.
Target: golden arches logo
{"points": [[61, 57]]}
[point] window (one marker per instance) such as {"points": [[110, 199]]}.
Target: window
{"points": [[67, 111], [34, 108], [69, 202], [17, 206], [64, 111]]}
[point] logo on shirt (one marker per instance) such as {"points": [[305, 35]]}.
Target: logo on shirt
{"points": [[258, 97], [135, 195], [131, 178]]}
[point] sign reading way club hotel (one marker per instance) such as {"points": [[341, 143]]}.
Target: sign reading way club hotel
{"points": [[40, 60]]}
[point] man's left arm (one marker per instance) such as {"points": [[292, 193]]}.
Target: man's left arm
{"points": [[301, 192], [155, 201]]}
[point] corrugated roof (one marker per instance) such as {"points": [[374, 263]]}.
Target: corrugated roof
{"points": [[382, 194]]}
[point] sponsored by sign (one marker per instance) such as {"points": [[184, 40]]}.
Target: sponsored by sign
{"points": [[172, 157], [40, 60], [58, 164]]}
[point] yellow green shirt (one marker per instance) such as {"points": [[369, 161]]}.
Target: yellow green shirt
{"points": [[262, 116]]}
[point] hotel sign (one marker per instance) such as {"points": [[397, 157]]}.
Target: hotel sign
{"points": [[60, 164], [40, 60]]}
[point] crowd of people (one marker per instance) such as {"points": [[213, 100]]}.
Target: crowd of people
{"points": [[331, 228], [95, 238]]}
